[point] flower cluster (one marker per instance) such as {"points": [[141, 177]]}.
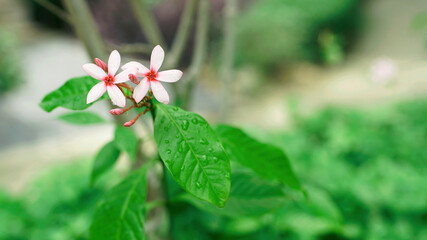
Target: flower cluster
{"points": [[114, 83]]}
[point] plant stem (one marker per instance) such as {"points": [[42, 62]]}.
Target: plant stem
{"points": [[179, 42], [85, 28], [147, 22], [182, 34], [55, 10], [226, 72], [200, 50], [132, 48]]}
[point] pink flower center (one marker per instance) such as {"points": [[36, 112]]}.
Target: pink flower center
{"points": [[109, 80], [151, 75]]}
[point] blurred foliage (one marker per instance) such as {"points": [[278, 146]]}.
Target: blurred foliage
{"points": [[57, 206], [10, 71], [419, 25], [273, 31], [364, 171]]}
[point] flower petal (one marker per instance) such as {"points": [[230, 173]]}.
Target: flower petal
{"points": [[116, 96], [94, 71], [123, 76], [141, 69], [96, 92], [169, 75], [159, 92], [157, 56], [113, 62], [141, 90]]}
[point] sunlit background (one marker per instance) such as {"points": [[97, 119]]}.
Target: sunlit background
{"points": [[340, 85]]}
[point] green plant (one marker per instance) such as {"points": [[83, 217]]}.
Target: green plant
{"points": [[364, 174], [209, 166]]}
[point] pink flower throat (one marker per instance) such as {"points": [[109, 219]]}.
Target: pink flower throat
{"points": [[151, 75], [109, 80]]}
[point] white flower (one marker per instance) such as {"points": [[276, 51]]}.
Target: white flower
{"points": [[152, 76], [108, 81]]}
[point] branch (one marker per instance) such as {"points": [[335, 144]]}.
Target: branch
{"points": [[226, 74], [55, 10], [147, 22], [85, 28], [200, 49], [181, 34]]}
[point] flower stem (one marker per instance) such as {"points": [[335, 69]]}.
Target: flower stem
{"points": [[226, 71], [131, 48], [85, 28], [125, 85], [147, 22], [182, 34], [200, 50]]}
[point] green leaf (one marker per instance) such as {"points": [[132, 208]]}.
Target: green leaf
{"points": [[268, 161], [126, 140], [120, 214], [81, 118], [72, 95], [250, 195], [104, 160], [193, 153]]}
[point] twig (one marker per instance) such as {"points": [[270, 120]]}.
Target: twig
{"points": [[147, 22], [200, 49], [55, 10], [85, 27], [226, 72], [181, 34]]}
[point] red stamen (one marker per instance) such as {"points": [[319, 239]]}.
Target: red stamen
{"points": [[152, 75], [109, 80]]}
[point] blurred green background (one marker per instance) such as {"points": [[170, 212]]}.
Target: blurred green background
{"points": [[339, 85], [365, 173]]}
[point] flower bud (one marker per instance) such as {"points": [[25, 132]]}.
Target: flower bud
{"points": [[117, 111], [133, 78], [101, 64], [128, 124]]}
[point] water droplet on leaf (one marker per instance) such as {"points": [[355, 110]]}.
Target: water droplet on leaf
{"points": [[203, 158], [204, 141], [198, 185], [185, 124]]}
